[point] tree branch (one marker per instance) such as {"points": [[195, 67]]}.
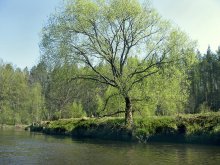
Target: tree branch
{"points": [[111, 114], [106, 101]]}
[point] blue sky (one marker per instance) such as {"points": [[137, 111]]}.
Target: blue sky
{"points": [[22, 20]]}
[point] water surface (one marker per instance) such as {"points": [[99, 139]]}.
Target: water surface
{"points": [[20, 147]]}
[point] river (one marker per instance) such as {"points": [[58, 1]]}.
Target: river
{"points": [[21, 148]]}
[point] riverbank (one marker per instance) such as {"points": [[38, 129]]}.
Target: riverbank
{"points": [[199, 128], [17, 126]]}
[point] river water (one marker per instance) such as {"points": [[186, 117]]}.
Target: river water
{"points": [[21, 148]]}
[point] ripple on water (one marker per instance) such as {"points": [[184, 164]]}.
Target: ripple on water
{"points": [[29, 148]]}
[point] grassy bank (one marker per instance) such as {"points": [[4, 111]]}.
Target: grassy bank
{"points": [[201, 128], [17, 126]]}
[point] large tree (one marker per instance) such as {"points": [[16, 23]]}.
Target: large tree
{"points": [[113, 34]]}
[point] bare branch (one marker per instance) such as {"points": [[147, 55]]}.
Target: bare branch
{"points": [[140, 100], [107, 100], [142, 78], [93, 78], [111, 114]]}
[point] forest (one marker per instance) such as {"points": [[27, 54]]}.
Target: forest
{"points": [[117, 60], [43, 94]]}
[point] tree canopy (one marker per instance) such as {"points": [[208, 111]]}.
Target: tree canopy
{"points": [[122, 42]]}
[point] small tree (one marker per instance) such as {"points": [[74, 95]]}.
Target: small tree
{"points": [[111, 33]]}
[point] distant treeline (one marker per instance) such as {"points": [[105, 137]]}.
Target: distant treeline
{"points": [[205, 83], [45, 93]]}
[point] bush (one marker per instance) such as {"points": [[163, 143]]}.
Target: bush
{"points": [[200, 128]]}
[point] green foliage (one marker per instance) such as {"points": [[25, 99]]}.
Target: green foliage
{"points": [[110, 102], [156, 125], [121, 44], [76, 110], [106, 128], [204, 77], [20, 102], [201, 128], [125, 50]]}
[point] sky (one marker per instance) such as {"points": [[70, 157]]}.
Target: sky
{"points": [[200, 19], [21, 22]]}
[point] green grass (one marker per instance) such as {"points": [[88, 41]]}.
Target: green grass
{"points": [[198, 128]]}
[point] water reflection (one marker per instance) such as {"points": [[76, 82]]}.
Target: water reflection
{"points": [[19, 147]]}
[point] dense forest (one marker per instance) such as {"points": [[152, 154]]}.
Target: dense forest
{"points": [[110, 58], [43, 94]]}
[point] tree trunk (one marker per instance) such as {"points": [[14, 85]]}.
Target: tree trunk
{"points": [[128, 112]]}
